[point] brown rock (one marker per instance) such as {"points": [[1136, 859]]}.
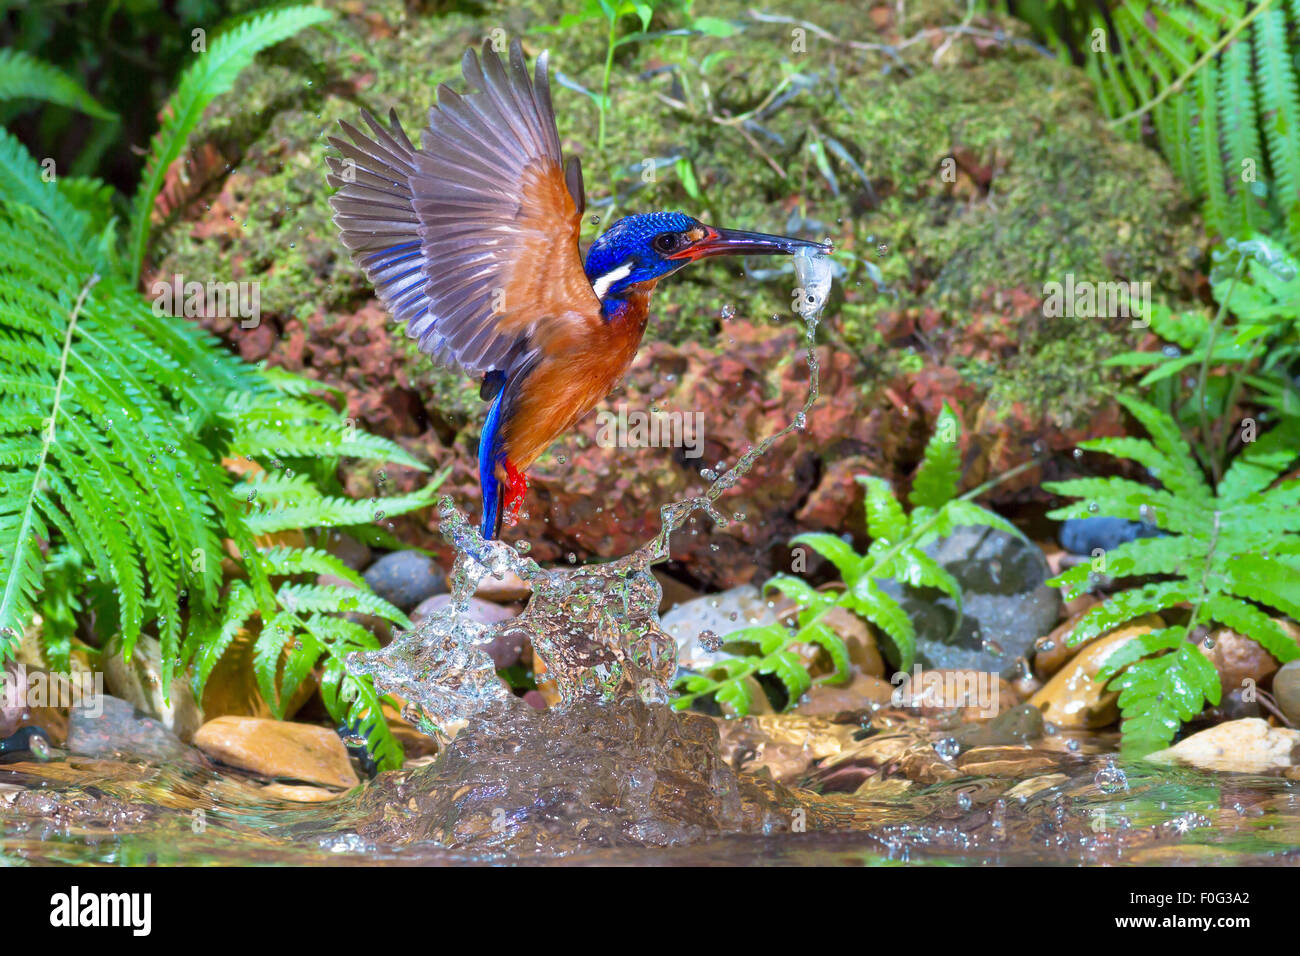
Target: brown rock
{"points": [[1051, 652], [828, 700], [1238, 746], [1004, 762], [299, 793], [1072, 699], [786, 744], [1238, 659], [139, 683], [278, 749], [859, 637], [1286, 689], [503, 590], [975, 695]]}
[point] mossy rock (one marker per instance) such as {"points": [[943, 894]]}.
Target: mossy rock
{"points": [[957, 174]]}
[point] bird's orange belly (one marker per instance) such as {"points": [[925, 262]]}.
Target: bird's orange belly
{"points": [[555, 397]]}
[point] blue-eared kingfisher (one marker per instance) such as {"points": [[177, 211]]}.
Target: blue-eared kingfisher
{"points": [[471, 240]]}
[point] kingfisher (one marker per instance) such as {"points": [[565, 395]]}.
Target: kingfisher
{"points": [[472, 241]]}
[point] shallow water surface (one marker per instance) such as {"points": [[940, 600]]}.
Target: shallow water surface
{"points": [[1071, 808]]}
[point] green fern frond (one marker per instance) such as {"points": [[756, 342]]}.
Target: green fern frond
{"points": [[1279, 105], [282, 503], [834, 549], [213, 74], [25, 77], [24, 183], [885, 518], [1230, 565], [895, 553], [936, 480], [1157, 694], [1240, 124], [1217, 80]]}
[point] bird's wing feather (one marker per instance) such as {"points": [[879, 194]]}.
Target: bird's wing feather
{"points": [[494, 214], [374, 210]]}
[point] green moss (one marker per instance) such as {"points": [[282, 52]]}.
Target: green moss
{"points": [[1052, 190]]}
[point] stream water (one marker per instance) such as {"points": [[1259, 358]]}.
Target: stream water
{"points": [[614, 775]]}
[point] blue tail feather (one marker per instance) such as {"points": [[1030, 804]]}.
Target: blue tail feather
{"points": [[489, 456]]}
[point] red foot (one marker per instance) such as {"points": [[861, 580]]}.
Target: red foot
{"points": [[516, 490]]}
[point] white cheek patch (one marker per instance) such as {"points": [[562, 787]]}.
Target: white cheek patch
{"points": [[602, 283]]}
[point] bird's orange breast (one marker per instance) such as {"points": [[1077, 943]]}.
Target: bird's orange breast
{"points": [[577, 369]]}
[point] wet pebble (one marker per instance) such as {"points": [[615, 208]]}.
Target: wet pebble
{"points": [[405, 578], [504, 590], [1238, 746], [355, 554], [113, 726], [1238, 659], [1286, 689], [505, 649], [279, 749]]}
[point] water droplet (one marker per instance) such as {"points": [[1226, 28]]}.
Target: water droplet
{"points": [[1110, 779]]}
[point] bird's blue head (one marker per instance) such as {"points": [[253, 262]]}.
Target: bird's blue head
{"points": [[652, 245]]}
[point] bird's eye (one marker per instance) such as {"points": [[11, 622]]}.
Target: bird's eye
{"points": [[667, 242]]}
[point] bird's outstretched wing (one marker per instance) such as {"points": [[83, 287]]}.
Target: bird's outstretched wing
{"points": [[472, 239]]}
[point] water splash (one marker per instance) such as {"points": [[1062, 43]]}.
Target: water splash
{"points": [[596, 627]]}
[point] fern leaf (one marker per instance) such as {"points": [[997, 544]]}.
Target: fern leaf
{"points": [[1259, 463], [1265, 580], [885, 518], [800, 592], [869, 601], [1126, 605], [1250, 621], [332, 599], [1279, 105], [969, 514], [834, 549], [1143, 645], [1157, 694], [936, 480], [1121, 498], [819, 633], [913, 566], [286, 560], [25, 77], [22, 182], [1181, 474], [736, 695], [268, 651], [1239, 122], [214, 73], [787, 667]]}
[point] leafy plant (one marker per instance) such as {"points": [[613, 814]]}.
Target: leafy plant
{"points": [[1251, 357], [26, 77], [613, 12], [1230, 551], [1218, 79], [896, 552], [212, 74], [117, 427]]}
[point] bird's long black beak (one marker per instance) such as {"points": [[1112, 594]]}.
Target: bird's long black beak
{"points": [[733, 242]]}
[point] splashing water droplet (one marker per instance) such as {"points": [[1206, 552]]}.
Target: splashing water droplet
{"points": [[1111, 779], [595, 626]]}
